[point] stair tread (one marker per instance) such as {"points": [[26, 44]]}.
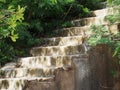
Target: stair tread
{"points": [[53, 38], [61, 41], [28, 78], [52, 67], [53, 46], [83, 30], [20, 83], [74, 55], [59, 50], [80, 27], [56, 61], [89, 21], [105, 11], [28, 72]]}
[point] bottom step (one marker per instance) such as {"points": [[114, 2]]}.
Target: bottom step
{"points": [[19, 83], [63, 80]]}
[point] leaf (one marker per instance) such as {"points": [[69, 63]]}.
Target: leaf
{"points": [[14, 37], [117, 49], [54, 1], [104, 40], [86, 10]]}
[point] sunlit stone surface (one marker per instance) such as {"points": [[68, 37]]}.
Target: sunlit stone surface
{"points": [[60, 41], [56, 50], [106, 11], [62, 62]]}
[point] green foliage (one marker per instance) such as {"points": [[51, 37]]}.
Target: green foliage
{"points": [[115, 18], [100, 35], [10, 19], [6, 52], [91, 4], [44, 14], [113, 2], [40, 17], [103, 36]]}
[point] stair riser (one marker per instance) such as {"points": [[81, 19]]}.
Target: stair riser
{"points": [[45, 61], [17, 73], [54, 51], [12, 84], [105, 12], [76, 40], [84, 31], [74, 31], [21, 83], [101, 14], [89, 21]]}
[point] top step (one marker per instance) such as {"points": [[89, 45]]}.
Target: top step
{"points": [[20, 83], [105, 12], [98, 20], [89, 21]]}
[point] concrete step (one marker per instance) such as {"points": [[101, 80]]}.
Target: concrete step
{"points": [[105, 11], [19, 83], [58, 50], [22, 82], [73, 31], [45, 61], [89, 21], [27, 72], [60, 41], [83, 30], [99, 17]]}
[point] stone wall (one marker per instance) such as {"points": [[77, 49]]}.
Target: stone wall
{"points": [[94, 72], [64, 80], [89, 72]]}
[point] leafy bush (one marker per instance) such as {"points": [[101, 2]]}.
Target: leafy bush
{"points": [[42, 15], [10, 19], [101, 35], [39, 17]]}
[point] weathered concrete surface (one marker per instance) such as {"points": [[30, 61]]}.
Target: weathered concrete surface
{"points": [[99, 67], [64, 80], [85, 74], [67, 80], [113, 65], [105, 64], [93, 72], [36, 85]]}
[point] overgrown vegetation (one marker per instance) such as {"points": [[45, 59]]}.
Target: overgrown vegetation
{"points": [[43, 14], [102, 35], [10, 19], [23, 21]]}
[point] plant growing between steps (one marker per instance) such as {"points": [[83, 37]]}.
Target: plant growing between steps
{"points": [[102, 35]]}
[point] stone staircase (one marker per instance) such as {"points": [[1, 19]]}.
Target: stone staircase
{"points": [[54, 64]]}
